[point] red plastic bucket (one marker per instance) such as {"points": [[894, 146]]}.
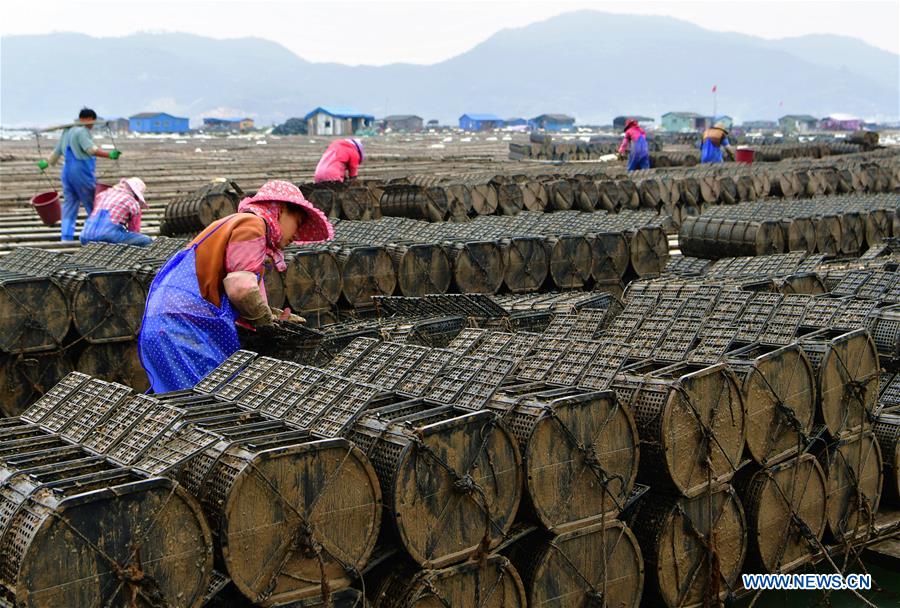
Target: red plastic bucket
{"points": [[98, 188], [48, 207], [744, 155]]}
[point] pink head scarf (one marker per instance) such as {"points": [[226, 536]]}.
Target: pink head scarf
{"points": [[267, 204]]}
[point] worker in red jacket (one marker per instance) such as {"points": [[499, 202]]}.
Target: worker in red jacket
{"points": [[636, 139], [340, 161]]}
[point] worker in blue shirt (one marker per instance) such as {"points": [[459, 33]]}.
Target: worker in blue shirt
{"points": [[78, 179], [715, 139]]}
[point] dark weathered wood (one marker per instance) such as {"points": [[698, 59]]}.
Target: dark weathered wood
{"points": [[111, 539], [800, 234], [570, 261], [115, 362], [312, 280], [691, 427], [649, 250], [600, 563], [780, 399], [853, 482], [292, 519], [610, 256], [34, 313], [193, 212], [274, 282], [715, 238], [783, 505], [24, 378], [847, 370], [526, 263], [421, 269], [107, 305], [887, 432], [491, 582], [693, 548], [477, 266], [580, 453], [829, 235], [451, 482]]}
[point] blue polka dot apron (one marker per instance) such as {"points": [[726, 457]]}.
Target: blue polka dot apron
{"points": [[639, 158], [183, 336]]}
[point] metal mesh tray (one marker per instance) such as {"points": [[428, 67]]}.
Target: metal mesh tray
{"points": [[231, 366]]}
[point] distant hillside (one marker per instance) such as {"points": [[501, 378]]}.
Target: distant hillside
{"points": [[589, 64]]}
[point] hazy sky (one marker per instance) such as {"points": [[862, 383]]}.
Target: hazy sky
{"points": [[426, 31]]}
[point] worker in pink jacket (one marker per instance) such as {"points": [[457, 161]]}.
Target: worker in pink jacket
{"points": [[635, 139], [340, 161]]}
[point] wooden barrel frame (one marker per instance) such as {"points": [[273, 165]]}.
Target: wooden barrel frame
{"points": [[451, 481], [599, 564], [784, 505]]}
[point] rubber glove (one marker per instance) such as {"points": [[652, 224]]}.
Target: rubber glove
{"points": [[42, 165], [287, 315], [115, 154]]}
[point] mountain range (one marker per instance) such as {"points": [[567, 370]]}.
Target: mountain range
{"points": [[588, 64]]}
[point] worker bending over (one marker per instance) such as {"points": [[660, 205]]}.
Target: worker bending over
{"points": [[341, 161], [201, 292], [635, 142], [714, 140], [78, 179], [116, 217]]}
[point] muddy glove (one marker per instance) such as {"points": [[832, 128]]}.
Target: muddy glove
{"points": [[42, 165], [242, 290], [287, 315]]}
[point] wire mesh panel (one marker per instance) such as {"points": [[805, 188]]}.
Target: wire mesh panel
{"points": [[85, 407], [568, 370], [756, 315], [548, 353], [589, 323], [418, 379], [728, 308], [714, 343], [226, 370], [855, 313], [522, 344], [560, 326], [851, 282], [494, 344], [678, 340], [250, 375], [317, 399], [142, 435], [368, 366], [290, 394], [879, 285], [467, 340], [278, 375], [347, 358], [119, 424], [343, 412], [606, 363], [785, 321], [821, 311], [447, 387], [54, 397], [484, 383], [406, 359], [176, 446]]}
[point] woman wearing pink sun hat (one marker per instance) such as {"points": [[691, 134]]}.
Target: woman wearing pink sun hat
{"points": [[199, 295]]}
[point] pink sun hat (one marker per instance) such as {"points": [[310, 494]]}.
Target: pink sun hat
{"points": [[315, 228]]}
